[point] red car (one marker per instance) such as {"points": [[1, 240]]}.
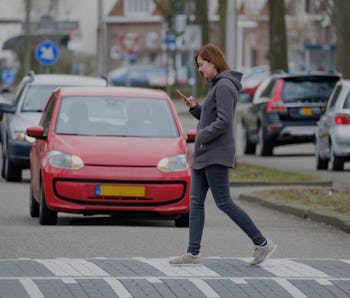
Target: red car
{"points": [[110, 150]]}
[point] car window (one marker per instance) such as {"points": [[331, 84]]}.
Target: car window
{"points": [[19, 91], [347, 101], [314, 89], [269, 89], [332, 101], [116, 116], [261, 89], [36, 97], [46, 119]]}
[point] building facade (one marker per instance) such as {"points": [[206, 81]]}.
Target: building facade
{"points": [[136, 33]]}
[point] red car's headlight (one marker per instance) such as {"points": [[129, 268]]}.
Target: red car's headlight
{"points": [[64, 160], [174, 163]]}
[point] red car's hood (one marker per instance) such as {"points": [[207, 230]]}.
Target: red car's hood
{"points": [[120, 151]]}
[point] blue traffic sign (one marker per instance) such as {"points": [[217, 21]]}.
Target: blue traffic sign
{"points": [[46, 52], [8, 76]]}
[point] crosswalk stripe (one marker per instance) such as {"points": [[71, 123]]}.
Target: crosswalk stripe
{"points": [[184, 270], [118, 287], [323, 281], [204, 288], [290, 288], [73, 267], [239, 281], [290, 268], [31, 288]]}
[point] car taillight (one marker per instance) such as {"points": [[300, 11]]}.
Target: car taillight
{"points": [[275, 104], [342, 119]]}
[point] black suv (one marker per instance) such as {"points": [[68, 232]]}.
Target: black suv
{"points": [[285, 110], [29, 100]]}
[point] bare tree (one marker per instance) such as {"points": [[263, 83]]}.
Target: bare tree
{"points": [[202, 19], [278, 39], [168, 10], [222, 24]]}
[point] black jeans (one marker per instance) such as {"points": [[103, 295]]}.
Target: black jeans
{"points": [[215, 177]]}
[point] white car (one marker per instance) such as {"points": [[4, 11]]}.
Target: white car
{"points": [[333, 130]]}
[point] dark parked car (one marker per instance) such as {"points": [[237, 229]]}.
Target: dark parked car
{"points": [[333, 130], [285, 110], [30, 99]]}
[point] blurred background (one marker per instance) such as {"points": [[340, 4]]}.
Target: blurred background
{"points": [[107, 37]]}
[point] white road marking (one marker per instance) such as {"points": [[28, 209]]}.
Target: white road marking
{"points": [[154, 280], [31, 288], [69, 280], [204, 288], [118, 287], [290, 288], [345, 261], [239, 281], [73, 267], [187, 270], [289, 268], [324, 281]]}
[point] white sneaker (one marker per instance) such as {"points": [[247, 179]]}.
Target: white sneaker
{"points": [[262, 253], [186, 259]]}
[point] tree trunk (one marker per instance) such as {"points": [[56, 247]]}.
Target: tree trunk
{"points": [[342, 12], [222, 15], [278, 38], [202, 19]]}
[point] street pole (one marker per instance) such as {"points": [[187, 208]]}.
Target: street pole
{"points": [[100, 40], [231, 34], [27, 51]]}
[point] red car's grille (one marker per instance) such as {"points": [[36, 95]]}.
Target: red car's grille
{"points": [[83, 192]]}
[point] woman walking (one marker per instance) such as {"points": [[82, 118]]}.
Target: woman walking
{"points": [[214, 155]]}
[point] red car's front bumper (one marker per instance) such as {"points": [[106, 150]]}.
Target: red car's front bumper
{"points": [[78, 191]]}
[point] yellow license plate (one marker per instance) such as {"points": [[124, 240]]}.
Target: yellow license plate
{"points": [[120, 191], [306, 111]]}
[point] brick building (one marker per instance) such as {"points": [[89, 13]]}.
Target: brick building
{"points": [[135, 31]]}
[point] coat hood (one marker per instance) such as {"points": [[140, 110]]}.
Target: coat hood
{"points": [[234, 76]]}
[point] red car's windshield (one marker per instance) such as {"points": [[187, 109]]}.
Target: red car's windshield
{"points": [[116, 116]]}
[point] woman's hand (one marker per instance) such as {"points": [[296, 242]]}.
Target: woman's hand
{"points": [[190, 102]]}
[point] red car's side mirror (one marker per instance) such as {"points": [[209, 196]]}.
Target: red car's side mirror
{"points": [[36, 132], [191, 135]]}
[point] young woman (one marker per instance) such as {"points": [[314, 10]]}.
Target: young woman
{"points": [[214, 155]]}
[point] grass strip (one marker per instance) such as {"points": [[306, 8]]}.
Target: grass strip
{"points": [[337, 200], [246, 172]]}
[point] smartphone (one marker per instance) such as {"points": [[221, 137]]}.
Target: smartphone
{"points": [[182, 95]]}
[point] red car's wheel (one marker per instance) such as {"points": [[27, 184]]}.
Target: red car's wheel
{"points": [[183, 221], [46, 216], [33, 205]]}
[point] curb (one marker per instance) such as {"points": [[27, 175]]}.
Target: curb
{"points": [[282, 183], [316, 214]]}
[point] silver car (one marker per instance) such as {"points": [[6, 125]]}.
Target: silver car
{"points": [[24, 111], [333, 130]]}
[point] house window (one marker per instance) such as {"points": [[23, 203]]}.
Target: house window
{"points": [[138, 7]]}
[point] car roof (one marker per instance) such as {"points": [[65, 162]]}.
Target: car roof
{"points": [[113, 91], [284, 75], [66, 79]]}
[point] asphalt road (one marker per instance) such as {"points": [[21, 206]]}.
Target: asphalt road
{"points": [[104, 256], [79, 236]]}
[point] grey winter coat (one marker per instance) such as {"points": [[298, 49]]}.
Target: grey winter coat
{"points": [[215, 142]]}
